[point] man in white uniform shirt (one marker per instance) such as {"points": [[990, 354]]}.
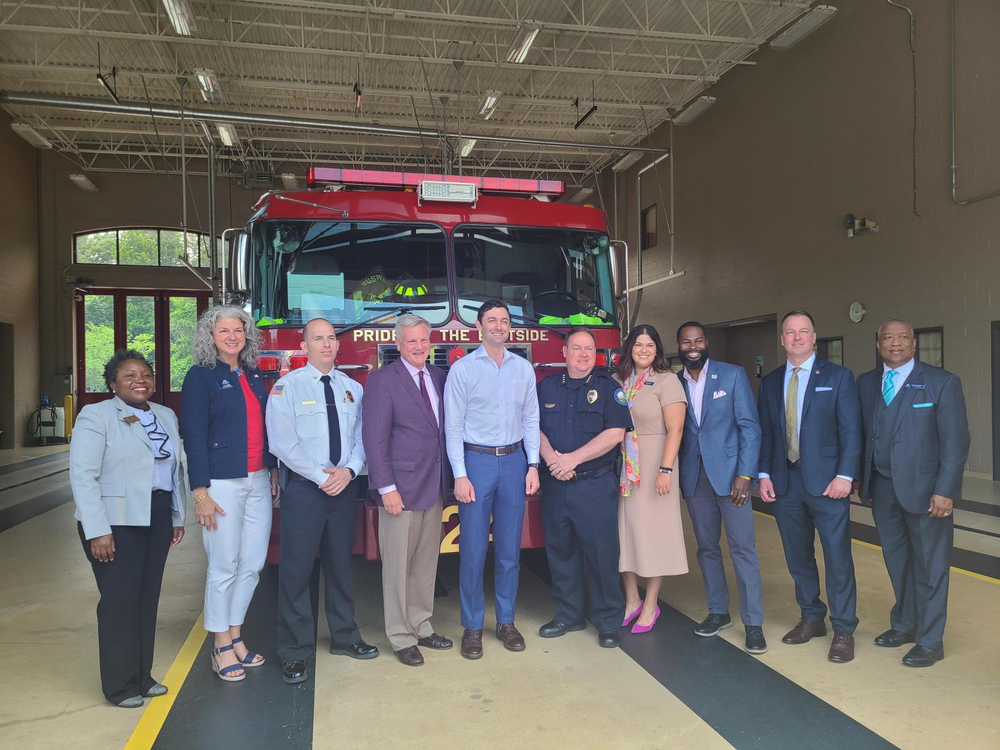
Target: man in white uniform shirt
{"points": [[314, 429]]}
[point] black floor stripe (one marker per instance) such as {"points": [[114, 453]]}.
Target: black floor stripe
{"points": [[36, 479], [28, 509], [974, 506], [764, 711], [975, 562], [28, 463], [259, 713]]}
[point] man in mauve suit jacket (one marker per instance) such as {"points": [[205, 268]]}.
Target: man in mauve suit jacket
{"points": [[810, 449], [916, 444], [403, 434]]}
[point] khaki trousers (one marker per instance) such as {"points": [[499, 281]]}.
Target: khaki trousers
{"points": [[409, 544]]}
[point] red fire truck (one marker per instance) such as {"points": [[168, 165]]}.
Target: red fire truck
{"points": [[361, 247]]}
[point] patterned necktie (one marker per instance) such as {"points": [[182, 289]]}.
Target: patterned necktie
{"points": [[427, 397], [889, 387], [792, 416], [332, 419]]}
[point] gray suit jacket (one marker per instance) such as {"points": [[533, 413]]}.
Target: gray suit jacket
{"points": [[111, 468], [930, 443]]}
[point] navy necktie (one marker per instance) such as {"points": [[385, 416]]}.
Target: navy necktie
{"points": [[332, 419]]}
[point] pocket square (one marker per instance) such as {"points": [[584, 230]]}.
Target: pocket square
{"points": [[719, 394], [823, 388], [922, 406]]}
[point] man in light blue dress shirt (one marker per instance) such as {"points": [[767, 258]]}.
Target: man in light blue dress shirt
{"points": [[491, 412]]}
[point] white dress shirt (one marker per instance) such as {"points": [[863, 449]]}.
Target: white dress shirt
{"points": [[298, 432], [697, 390], [163, 468], [902, 374]]}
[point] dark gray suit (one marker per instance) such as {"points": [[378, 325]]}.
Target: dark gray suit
{"points": [[717, 445], [915, 447]]}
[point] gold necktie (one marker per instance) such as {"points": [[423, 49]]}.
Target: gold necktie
{"points": [[792, 416]]}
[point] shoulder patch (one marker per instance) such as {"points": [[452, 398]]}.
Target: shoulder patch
{"points": [[277, 390], [620, 397]]}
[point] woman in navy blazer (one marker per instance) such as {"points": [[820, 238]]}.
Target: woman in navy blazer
{"points": [[234, 478]]}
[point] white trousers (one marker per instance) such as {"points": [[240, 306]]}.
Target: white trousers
{"points": [[237, 548]]}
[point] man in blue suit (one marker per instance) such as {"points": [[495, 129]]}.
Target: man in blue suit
{"points": [[718, 456], [916, 445], [810, 450]]}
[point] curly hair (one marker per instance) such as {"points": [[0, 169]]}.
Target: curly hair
{"points": [[203, 350], [116, 361]]}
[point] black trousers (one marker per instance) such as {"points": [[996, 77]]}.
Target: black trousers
{"points": [[917, 553], [581, 542], [130, 593], [311, 522]]}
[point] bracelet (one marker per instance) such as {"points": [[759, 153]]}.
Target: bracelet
{"points": [[744, 476], [200, 497], [666, 470]]}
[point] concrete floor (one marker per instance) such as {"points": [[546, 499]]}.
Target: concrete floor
{"points": [[563, 693]]}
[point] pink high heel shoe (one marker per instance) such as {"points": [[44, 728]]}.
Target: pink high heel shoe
{"points": [[637, 628], [629, 618]]}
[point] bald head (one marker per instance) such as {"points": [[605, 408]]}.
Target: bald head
{"points": [[319, 342]]}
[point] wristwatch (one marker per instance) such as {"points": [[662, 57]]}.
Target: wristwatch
{"points": [[666, 470], [354, 474], [533, 466]]}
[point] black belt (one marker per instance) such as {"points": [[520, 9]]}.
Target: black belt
{"points": [[503, 450], [591, 474], [293, 477]]}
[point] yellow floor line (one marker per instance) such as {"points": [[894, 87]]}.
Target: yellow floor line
{"points": [[963, 571], [157, 709]]}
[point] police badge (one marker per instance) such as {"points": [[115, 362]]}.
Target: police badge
{"points": [[591, 395], [350, 396]]}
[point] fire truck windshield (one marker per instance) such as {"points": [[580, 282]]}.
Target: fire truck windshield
{"points": [[555, 276], [348, 272]]}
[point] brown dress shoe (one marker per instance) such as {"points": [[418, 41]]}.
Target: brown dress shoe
{"points": [[410, 656], [436, 642], [842, 648], [805, 631], [472, 644], [512, 640]]}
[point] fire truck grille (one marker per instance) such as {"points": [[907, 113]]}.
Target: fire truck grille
{"points": [[441, 354]]}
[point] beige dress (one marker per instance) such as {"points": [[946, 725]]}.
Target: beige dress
{"points": [[649, 525]]}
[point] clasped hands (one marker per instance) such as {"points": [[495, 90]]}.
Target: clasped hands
{"points": [[335, 483], [562, 466]]}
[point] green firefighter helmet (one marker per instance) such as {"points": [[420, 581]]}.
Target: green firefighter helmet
{"points": [[407, 286]]}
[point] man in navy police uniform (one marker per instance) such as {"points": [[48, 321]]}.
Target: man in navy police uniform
{"points": [[583, 419]]}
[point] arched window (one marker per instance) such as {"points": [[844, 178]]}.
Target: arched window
{"points": [[142, 246]]}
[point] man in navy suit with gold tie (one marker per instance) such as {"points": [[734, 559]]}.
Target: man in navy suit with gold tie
{"points": [[810, 450], [916, 444]]}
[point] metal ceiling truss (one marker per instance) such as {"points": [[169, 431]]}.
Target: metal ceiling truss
{"points": [[637, 61]]}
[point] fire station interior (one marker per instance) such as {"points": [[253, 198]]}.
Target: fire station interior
{"points": [[755, 156]]}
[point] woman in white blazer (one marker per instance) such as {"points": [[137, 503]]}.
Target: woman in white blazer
{"points": [[127, 474]]}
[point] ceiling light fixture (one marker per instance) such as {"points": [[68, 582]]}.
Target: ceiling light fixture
{"points": [[107, 86], [467, 144], [526, 34], [31, 135], [228, 135], [694, 110], [181, 16], [210, 91], [581, 195], [489, 103], [807, 24], [290, 181], [81, 181], [627, 161]]}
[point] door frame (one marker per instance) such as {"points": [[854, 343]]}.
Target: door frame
{"points": [[995, 396]]}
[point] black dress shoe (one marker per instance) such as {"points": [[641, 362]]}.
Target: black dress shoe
{"points": [[436, 642], [555, 628], [359, 650], [410, 656], [921, 656], [294, 671], [712, 624], [894, 639], [609, 638], [755, 643]]}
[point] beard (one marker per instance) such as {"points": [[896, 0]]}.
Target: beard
{"points": [[694, 364]]}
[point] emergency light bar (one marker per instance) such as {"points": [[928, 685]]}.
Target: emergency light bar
{"points": [[319, 176]]}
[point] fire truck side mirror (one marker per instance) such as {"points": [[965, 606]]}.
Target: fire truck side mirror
{"points": [[238, 267], [618, 257]]}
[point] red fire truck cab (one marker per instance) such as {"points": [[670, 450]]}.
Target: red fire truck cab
{"points": [[361, 247]]}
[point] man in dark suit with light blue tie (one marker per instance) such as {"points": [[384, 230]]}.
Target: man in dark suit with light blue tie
{"points": [[810, 451], [718, 456], [916, 444]]}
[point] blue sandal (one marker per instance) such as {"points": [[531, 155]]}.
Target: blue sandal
{"points": [[226, 673], [250, 657]]}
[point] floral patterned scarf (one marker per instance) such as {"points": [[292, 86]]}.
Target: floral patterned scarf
{"points": [[630, 445]]}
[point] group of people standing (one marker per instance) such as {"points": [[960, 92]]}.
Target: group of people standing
{"points": [[604, 450]]}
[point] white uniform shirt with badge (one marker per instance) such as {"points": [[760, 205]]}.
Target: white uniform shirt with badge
{"points": [[297, 426]]}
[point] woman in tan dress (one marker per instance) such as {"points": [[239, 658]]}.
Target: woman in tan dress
{"points": [[649, 508]]}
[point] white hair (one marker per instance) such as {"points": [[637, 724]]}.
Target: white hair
{"points": [[203, 350], [408, 321]]}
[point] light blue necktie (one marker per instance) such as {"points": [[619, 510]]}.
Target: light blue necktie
{"points": [[888, 389]]}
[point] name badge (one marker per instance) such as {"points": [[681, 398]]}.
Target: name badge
{"points": [[224, 384], [549, 406], [308, 403], [914, 386]]}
